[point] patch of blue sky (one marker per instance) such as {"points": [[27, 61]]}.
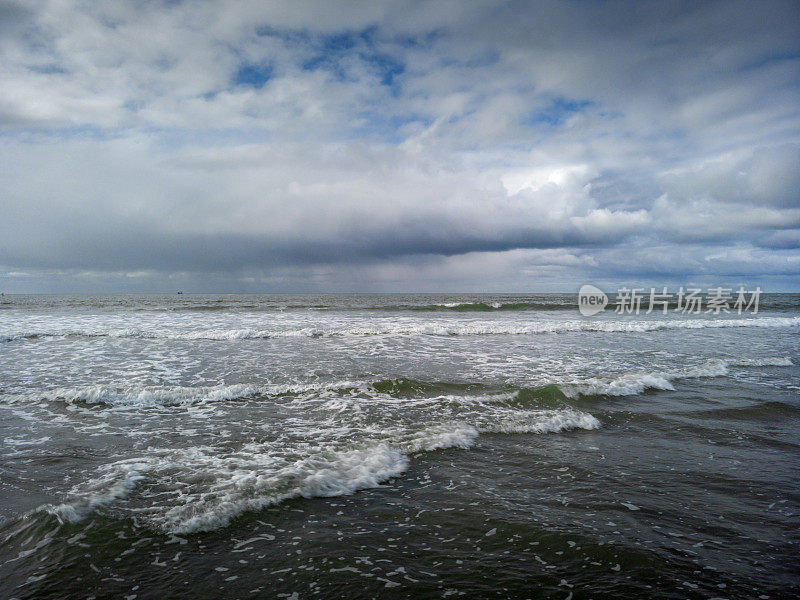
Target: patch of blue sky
{"points": [[349, 39], [333, 53], [421, 40], [386, 66], [324, 62], [341, 42], [329, 49], [253, 75], [557, 112]]}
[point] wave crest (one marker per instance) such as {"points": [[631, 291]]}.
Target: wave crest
{"points": [[432, 327], [202, 488], [631, 384]]}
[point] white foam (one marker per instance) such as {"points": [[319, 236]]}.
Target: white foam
{"points": [[711, 368], [635, 383], [340, 474], [139, 396], [402, 327], [171, 395], [201, 488], [435, 437], [115, 482], [476, 327], [697, 323], [546, 421], [626, 385], [214, 487], [776, 361], [131, 396]]}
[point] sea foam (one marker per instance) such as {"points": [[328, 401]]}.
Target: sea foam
{"points": [[630, 384], [201, 488], [396, 327]]}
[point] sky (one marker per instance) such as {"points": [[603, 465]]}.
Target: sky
{"points": [[441, 146]]}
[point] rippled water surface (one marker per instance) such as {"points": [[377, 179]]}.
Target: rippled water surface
{"points": [[396, 446]]}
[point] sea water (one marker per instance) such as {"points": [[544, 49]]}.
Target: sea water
{"points": [[427, 446]]}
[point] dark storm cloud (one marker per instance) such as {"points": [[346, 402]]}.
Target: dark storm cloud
{"points": [[546, 140], [133, 249]]}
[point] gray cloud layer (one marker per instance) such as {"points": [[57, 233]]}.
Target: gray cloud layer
{"points": [[431, 145]]}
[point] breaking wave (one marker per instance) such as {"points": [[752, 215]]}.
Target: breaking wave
{"points": [[436, 328], [484, 306], [176, 395], [631, 384], [203, 487], [198, 489], [554, 394]]}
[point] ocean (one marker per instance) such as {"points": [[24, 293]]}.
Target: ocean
{"points": [[396, 446]]}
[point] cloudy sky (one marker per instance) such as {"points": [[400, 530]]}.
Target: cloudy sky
{"points": [[398, 146]]}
